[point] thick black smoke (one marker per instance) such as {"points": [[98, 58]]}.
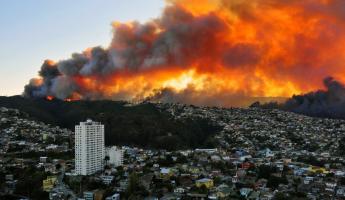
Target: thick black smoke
{"points": [[238, 50], [59, 79], [322, 103], [134, 48], [48, 72]]}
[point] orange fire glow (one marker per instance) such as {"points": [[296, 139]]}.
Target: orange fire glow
{"points": [[50, 98], [220, 52]]}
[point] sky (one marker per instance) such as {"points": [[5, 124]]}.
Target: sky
{"points": [[35, 30]]}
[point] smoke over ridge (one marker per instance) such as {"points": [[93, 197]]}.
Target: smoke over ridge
{"points": [[208, 52], [329, 102]]}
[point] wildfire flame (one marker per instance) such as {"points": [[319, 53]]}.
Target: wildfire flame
{"points": [[209, 52], [50, 98]]}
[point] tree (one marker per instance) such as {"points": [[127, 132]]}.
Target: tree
{"points": [[181, 159], [280, 196], [217, 180], [58, 166], [265, 171], [95, 184], [135, 189], [119, 171], [312, 160], [30, 184], [73, 183], [342, 181], [286, 169], [167, 161], [341, 147], [133, 184], [203, 189], [274, 181], [106, 159], [296, 182]]}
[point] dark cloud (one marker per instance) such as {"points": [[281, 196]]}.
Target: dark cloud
{"points": [[135, 47], [49, 70], [322, 103], [72, 66], [63, 87], [99, 64], [35, 89], [247, 47]]}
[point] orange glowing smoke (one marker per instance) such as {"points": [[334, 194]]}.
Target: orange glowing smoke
{"points": [[50, 98], [210, 52]]}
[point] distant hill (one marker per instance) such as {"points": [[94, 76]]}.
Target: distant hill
{"points": [[142, 125]]}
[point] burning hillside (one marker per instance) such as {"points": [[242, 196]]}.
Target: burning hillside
{"points": [[208, 52]]}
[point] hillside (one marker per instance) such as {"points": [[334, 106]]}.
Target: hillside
{"points": [[255, 129], [177, 126], [142, 125]]}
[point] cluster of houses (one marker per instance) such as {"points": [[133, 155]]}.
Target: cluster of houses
{"points": [[228, 174], [218, 174], [260, 154], [23, 141], [255, 128], [20, 134]]}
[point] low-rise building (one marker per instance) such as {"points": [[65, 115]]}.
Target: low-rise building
{"points": [[208, 183]]}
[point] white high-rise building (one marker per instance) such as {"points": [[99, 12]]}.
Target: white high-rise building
{"points": [[89, 147], [115, 155]]}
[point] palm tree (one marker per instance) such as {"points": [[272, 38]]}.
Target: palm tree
{"points": [[106, 160]]}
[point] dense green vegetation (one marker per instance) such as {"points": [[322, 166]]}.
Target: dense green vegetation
{"points": [[35, 155], [142, 125], [29, 183], [342, 146]]}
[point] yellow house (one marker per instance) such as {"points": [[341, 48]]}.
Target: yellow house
{"points": [[208, 183], [49, 183], [318, 170]]}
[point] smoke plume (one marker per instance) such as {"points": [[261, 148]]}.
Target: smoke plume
{"points": [[322, 103], [208, 52]]}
